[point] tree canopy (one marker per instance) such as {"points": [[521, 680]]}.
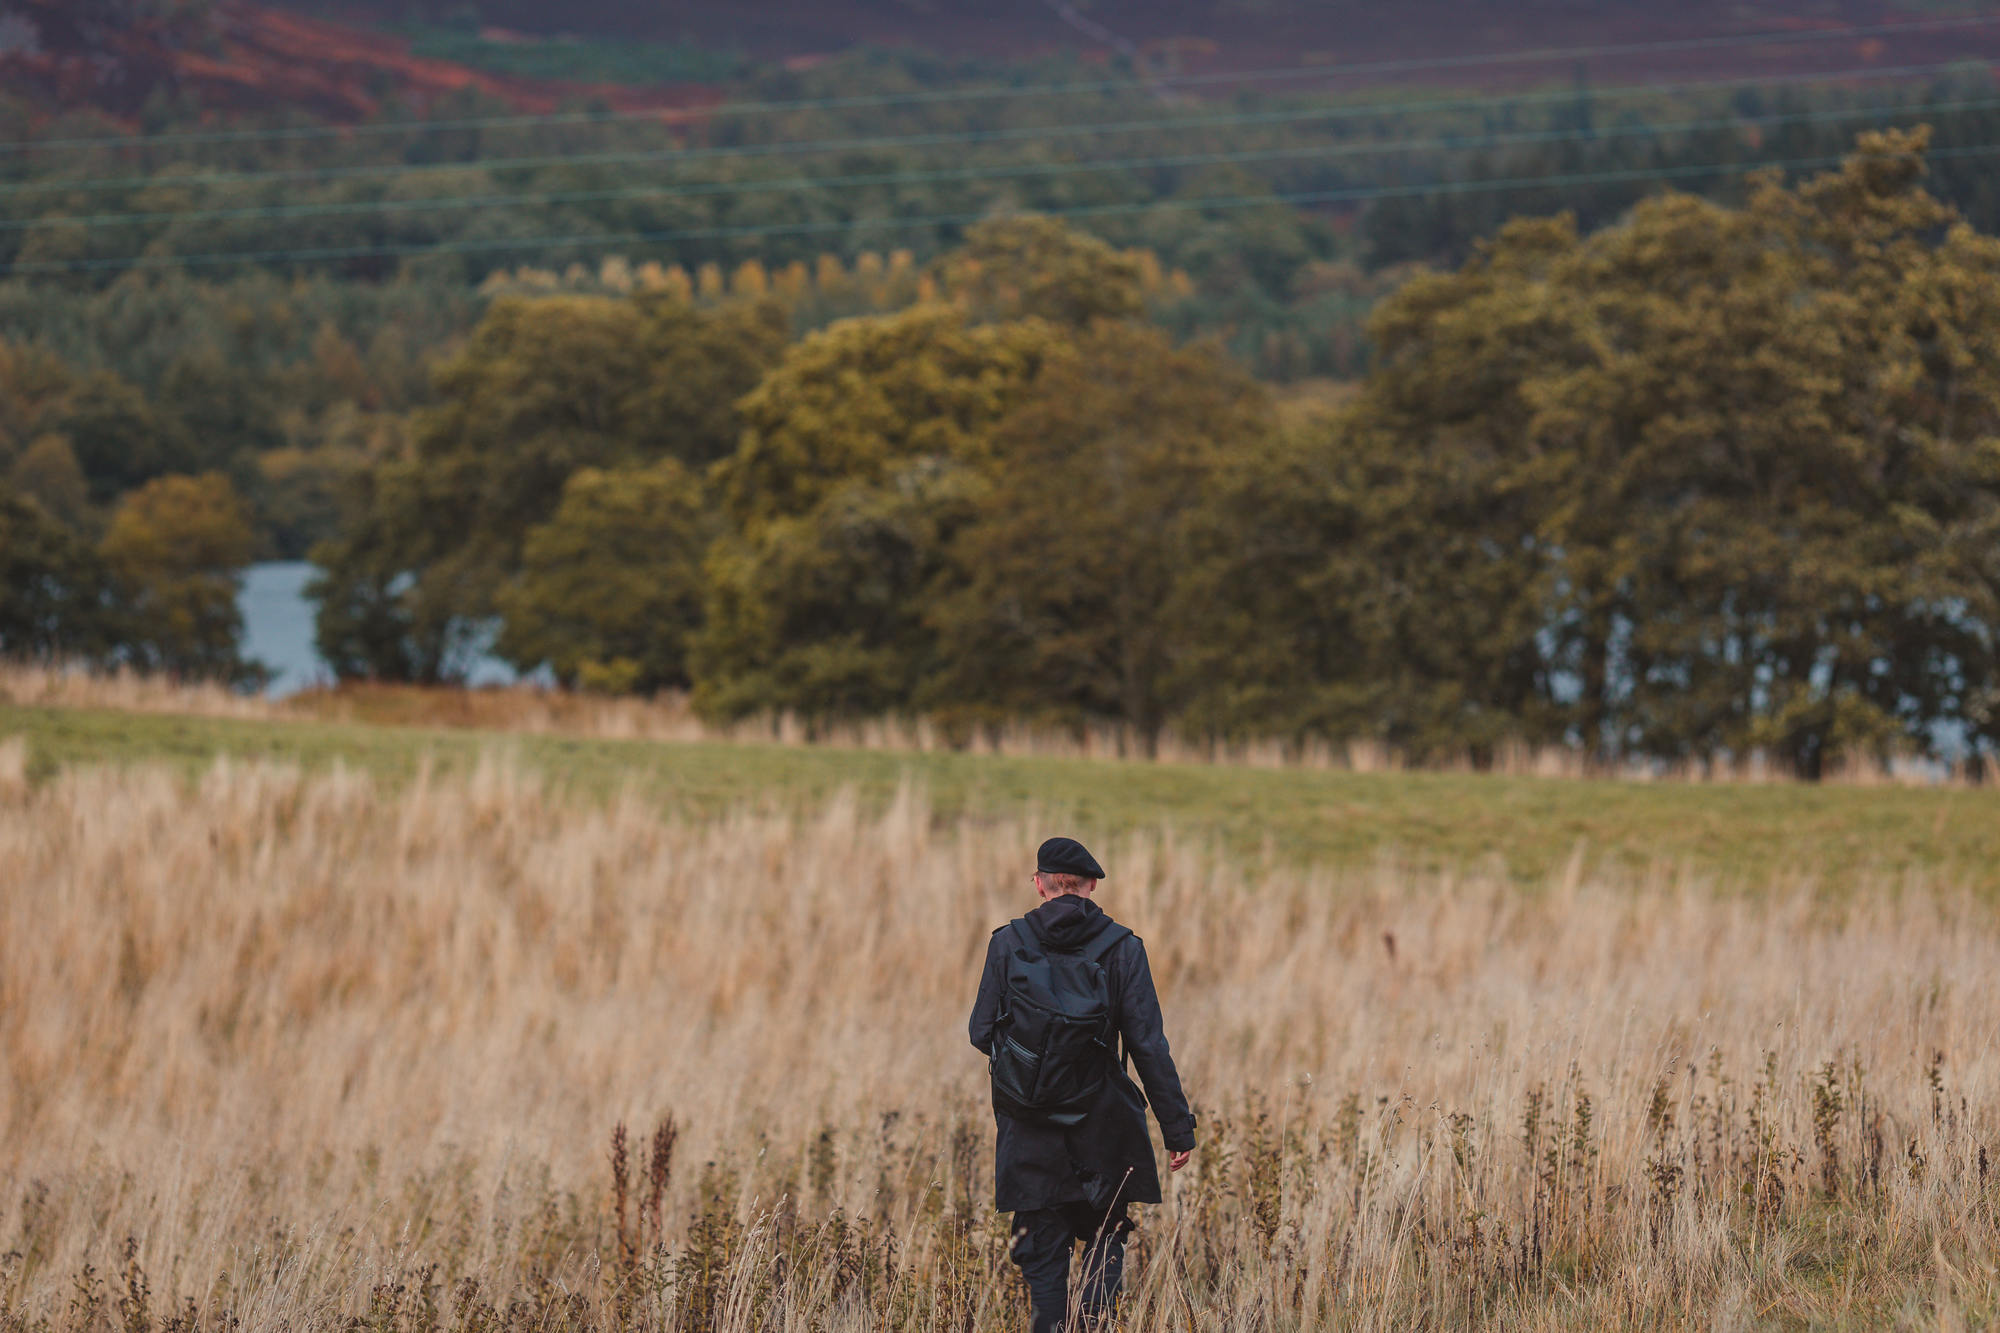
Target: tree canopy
{"points": [[174, 548], [542, 389], [610, 587], [54, 599], [1712, 480], [1072, 596], [861, 454]]}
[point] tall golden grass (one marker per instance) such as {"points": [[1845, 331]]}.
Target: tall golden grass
{"points": [[669, 716], [313, 1053]]}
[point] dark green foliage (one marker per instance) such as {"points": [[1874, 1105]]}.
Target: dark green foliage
{"points": [[543, 389], [610, 587], [295, 495], [221, 413], [699, 363], [861, 453], [1714, 481], [159, 591], [174, 548], [824, 613], [120, 439], [54, 590], [1021, 267], [1711, 481], [1071, 597], [367, 625]]}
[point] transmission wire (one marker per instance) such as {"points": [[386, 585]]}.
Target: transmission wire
{"points": [[732, 189], [1025, 133], [592, 239]]}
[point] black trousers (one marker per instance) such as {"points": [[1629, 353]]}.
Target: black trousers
{"points": [[1045, 1242]]}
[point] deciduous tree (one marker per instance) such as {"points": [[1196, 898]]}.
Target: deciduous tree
{"points": [[545, 387], [1072, 576], [610, 587], [175, 548], [1713, 480], [861, 454], [54, 590], [1041, 267]]}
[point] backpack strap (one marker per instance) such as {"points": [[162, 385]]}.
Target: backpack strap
{"points": [[1107, 939], [1025, 934], [1097, 951], [1024, 938]]}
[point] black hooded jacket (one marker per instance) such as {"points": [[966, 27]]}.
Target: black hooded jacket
{"points": [[1108, 1157]]}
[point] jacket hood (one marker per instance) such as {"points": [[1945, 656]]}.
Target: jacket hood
{"points": [[1067, 923]]}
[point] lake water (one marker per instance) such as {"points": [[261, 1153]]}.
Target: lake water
{"points": [[278, 630]]}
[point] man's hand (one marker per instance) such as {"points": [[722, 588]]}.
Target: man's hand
{"points": [[1177, 1160]]}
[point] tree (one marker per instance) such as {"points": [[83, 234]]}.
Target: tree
{"points": [[823, 613], [118, 436], [1421, 604], [35, 387], [223, 413], [1710, 481], [1097, 507], [367, 623], [700, 363], [54, 594], [859, 457], [48, 473], [610, 587], [864, 395], [296, 495], [174, 548], [544, 388], [1040, 267], [1784, 517]]}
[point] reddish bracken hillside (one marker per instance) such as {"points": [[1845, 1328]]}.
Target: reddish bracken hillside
{"points": [[247, 57], [1226, 35], [244, 56]]}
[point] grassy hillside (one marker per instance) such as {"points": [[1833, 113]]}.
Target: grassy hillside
{"points": [[1735, 835]]}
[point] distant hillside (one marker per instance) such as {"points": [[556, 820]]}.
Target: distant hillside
{"points": [[1223, 35], [126, 57], [346, 59]]}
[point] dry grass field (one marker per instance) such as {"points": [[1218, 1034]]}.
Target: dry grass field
{"points": [[309, 1049]]}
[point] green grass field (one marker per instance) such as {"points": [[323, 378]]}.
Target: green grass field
{"points": [[1734, 835]]}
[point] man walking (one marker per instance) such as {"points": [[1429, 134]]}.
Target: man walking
{"points": [[1064, 990]]}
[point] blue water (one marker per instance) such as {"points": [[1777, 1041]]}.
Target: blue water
{"points": [[278, 631]]}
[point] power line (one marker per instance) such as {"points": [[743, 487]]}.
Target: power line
{"points": [[593, 239], [1446, 143], [933, 97], [1015, 134]]}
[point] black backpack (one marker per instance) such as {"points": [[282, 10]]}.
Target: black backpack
{"points": [[1052, 1042]]}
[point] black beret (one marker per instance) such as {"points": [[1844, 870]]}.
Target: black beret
{"points": [[1066, 856]]}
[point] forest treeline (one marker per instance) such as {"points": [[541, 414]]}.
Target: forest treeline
{"points": [[1718, 477], [262, 297], [1711, 480]]}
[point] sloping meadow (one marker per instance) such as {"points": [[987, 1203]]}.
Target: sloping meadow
{"points": [[321, 1052]]}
